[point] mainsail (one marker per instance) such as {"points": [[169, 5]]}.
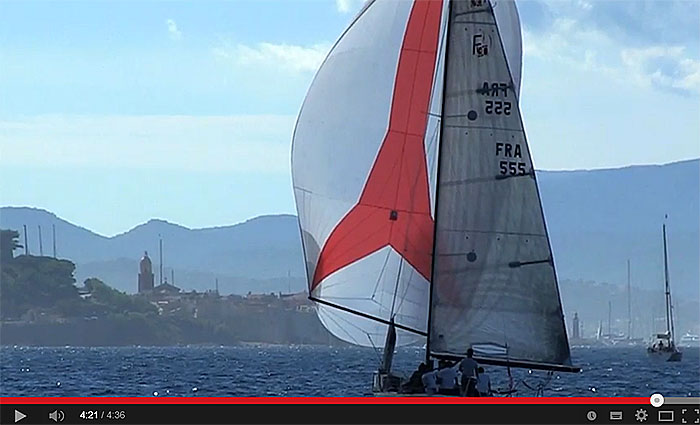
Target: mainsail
{"points": [[397, 187], [494, 284]]}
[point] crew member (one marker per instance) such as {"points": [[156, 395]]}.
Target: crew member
{"points": [[483, 383], [470, 373]]}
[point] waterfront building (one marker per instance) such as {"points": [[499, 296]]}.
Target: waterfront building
{"points": [[145, 283]]}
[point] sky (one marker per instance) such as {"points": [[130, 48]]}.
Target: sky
{"points": [[116, 112]]}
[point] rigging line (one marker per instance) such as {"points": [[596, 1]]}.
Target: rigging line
{"points": [[303, 248], [379, 248], [367, 316], [505, 339], [358, 225], [381, 273], [433, 160], [396, 288], [334, 284], [318, 194], [348, 298], [369, 336], [359, 243], [374, 347], [405, 290], [351, 324], [330, 317], [302, 189]]}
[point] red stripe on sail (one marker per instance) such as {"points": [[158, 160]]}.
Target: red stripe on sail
{"points": [[394, 208]]}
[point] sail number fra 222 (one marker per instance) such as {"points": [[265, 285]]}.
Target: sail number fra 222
{"points": [[496, 89], [497, 107]]}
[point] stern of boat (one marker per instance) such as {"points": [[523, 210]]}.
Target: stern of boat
{"points": [[385, 383], [668, 356]]}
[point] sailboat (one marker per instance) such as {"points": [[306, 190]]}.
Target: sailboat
{"points": [[417, 199], [663, 345], [629, 340]]}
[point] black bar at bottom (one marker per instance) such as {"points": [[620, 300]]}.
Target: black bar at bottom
{"points": [[342, 414]]}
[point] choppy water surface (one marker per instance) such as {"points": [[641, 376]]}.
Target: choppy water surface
{"points": [[305, 371]]}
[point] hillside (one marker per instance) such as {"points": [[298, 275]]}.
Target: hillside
{"points": [[597, 219]]}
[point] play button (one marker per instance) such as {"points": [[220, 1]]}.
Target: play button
{"points": [[19, 416]]}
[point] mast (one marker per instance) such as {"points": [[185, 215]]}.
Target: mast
{"points": [[669, 306], [390, 340], [41, 244], [437, 179], [609, 319], [160, 267], [389, 346], [629, 302], [53, 232], [26, 244]]}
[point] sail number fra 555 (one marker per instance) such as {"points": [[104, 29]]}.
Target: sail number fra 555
{"points": [[513, 164]]}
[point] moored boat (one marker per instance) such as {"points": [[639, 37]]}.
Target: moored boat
{"points": [[663, 345]]}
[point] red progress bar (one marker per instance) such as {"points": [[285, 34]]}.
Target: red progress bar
{"points": [[324, 400]]}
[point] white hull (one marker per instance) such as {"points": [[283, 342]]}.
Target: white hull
{"points": [[666, 356]]}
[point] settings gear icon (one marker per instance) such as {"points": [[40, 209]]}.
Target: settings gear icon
{"points": [[641, 415]]}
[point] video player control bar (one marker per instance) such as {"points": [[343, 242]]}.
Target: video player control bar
{"points": [[128, 414]]}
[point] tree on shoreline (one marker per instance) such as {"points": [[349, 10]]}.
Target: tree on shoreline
{"points": [[8, 244]]}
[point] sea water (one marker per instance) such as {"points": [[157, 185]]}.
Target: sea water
{"points": [[263, 370]]}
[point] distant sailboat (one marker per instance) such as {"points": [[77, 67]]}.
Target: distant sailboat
{"points": [[664, 345], [629, 340], [416, 194]]}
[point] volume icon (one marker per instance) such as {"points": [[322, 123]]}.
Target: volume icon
{"points": [[57, 415]]}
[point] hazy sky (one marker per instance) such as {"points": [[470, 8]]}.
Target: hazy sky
{"points": [[112, 113]]}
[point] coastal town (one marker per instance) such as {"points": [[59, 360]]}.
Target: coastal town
{"points": [[65, 313]]}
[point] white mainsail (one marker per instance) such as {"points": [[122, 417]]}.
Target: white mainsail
{"points": [[365, 157]]}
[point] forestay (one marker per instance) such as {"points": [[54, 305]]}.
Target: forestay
{"points": [[494, 283]]}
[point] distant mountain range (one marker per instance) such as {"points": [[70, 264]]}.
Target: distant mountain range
{"points": [[597, 219]]}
